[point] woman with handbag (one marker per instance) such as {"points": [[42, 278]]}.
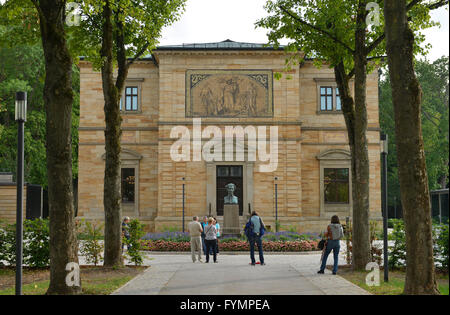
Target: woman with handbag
{"points": [[334, 234]]}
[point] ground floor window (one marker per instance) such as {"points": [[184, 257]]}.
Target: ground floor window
{"points": [[128, 184], [336, 185]]}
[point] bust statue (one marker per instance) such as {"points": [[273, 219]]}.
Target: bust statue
{"points": [[230, 198]]}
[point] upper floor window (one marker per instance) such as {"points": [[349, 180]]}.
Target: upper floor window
{"points": [[338, 100], [326, 98], [131, 100], [329, 100]]}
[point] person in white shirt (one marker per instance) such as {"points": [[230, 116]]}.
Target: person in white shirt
{"points": [[210, 239]]}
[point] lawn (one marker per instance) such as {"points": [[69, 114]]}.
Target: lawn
{"points": [[393, 287], [94, 280]]}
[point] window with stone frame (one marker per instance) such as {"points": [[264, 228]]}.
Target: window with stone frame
{"points": [[130, 100], [329, 101], [128, 185], [129, 172], [336, 185], [326, 98], [338, 100]]}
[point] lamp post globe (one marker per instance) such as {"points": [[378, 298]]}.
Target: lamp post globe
{"points": [[21, 106]]}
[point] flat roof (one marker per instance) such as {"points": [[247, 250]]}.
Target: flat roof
{"points": [[224, 45]]}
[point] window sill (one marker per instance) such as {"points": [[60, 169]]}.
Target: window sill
{"points": [[328, 112], [130, 112]]}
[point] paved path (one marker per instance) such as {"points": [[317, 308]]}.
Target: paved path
{"points": [[283, 274]]}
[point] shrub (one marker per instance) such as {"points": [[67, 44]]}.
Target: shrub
{"points": [[397, 253], [36, 251], [375, 251], [442, 246], [7, 244], [91, 247], [348, 230], [134, 243]]}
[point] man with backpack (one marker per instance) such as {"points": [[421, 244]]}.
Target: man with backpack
{"points": [[254, 229]]}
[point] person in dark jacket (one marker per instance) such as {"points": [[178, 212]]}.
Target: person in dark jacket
{"points": [[255, 236], [125, 232]]}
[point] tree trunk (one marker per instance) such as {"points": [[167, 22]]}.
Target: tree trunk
{"points": [[58, 98], [406, 96], [361, 232], [111, 190], [356, 122], [355, 115]]}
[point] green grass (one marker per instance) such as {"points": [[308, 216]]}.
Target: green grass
{"points": [[90, 287], [395, 284]]}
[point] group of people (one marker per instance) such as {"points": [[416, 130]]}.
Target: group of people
{"points": [[204, 235]]}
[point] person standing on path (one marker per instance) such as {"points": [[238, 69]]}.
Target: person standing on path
{"points": [[195, 231], [210, 239], [125, 231], [334, 234], [255, 230], [218, 234], [204, 224]]}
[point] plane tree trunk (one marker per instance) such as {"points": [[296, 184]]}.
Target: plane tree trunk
{"points": [[412, 173], [58, 99]]}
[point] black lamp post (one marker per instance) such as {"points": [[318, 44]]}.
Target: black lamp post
{"points": [[276, 205], [183, 202], [384, 199], [21, 117]]}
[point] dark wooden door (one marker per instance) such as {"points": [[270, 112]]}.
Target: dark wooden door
{"points": [[226, 174]]}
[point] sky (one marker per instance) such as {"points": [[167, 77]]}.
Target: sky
{"points": [[217, 20]]}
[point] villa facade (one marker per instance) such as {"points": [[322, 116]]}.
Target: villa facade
{"points": [[205, 90]]}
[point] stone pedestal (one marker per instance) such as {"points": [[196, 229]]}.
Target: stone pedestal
{"points": [[231, 226]]}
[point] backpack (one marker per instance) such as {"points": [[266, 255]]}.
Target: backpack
{"points": [[249, 228], [337, 231]]}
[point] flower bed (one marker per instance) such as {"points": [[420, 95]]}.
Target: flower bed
{"points": [[231, 245], [269, 236]]}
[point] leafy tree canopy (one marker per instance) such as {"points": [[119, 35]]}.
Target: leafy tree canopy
{"points": [[22, 68], [325, 29], [433, 78], [140, 22]]}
